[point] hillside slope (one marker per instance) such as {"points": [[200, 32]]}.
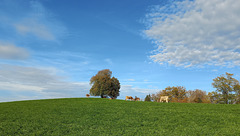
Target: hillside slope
{"points": [[95, 116]]}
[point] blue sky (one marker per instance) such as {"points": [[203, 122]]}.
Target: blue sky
{"points": [[51, 48]]}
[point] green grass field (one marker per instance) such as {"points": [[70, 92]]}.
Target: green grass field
{"points": [[95, 116]]}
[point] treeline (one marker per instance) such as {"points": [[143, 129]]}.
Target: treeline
{"points": [[227, 92]]}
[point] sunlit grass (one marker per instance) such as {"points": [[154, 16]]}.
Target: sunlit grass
{"points": [[95, 116]]}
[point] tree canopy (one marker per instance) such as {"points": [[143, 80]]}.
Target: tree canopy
{"points": [[227, 92], [105, 85], [198, 96], [148, 98], [175, 93], [228, 87]]}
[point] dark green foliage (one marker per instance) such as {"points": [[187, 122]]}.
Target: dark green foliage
{"points": [[114, 88], [104, 85], [96, 116], [148, 98]]}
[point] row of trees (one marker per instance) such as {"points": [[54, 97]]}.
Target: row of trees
{"points": [[227, 92], [181, 95]]}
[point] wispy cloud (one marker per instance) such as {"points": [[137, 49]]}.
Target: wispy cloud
{"points": [[75, 65], [108, 61], [33, 27], [43, 83], [33, 22], [28, 83], [131, 80], [129, 90], [196, 33], [12, 52]]}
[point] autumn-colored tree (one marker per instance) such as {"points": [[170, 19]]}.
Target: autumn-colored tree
{"points": [[104, 85], [215, 97], [237, 88], [156, 97], [198, 96], [227, 86], [176, 94]]}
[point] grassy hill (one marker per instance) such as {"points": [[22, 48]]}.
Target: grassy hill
{"points": [[95, 116]]}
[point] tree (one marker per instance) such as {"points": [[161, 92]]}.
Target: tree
{"points": [[155, 97], [148, 98], [215, 97], [114, 88], [198, 96], [237, 88], [226, 85], [176, 94], [104, 85]]}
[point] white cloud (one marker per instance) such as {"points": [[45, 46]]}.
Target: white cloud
{"points": [[196, 33], [31, 26], [33, 21], [129, 90], [28, 83], [36, 22], [131, 80], [42, 83], [108, 61], [41, 23], [19, 87], [10, 51]]}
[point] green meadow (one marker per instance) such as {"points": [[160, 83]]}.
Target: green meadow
{"points": [[96, 116]]}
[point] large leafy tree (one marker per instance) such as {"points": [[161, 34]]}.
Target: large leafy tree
{"points": [[215, 97], [104, 85], [227, 86], [237, 89], [114, 88], [198, 96], [175, 93]]}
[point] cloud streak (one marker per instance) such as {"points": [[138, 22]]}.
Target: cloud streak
{"points": [[129, 90], [34, 21], [43, 83], [12, 52], [29, 83], [196, 33], [31, 26]]}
